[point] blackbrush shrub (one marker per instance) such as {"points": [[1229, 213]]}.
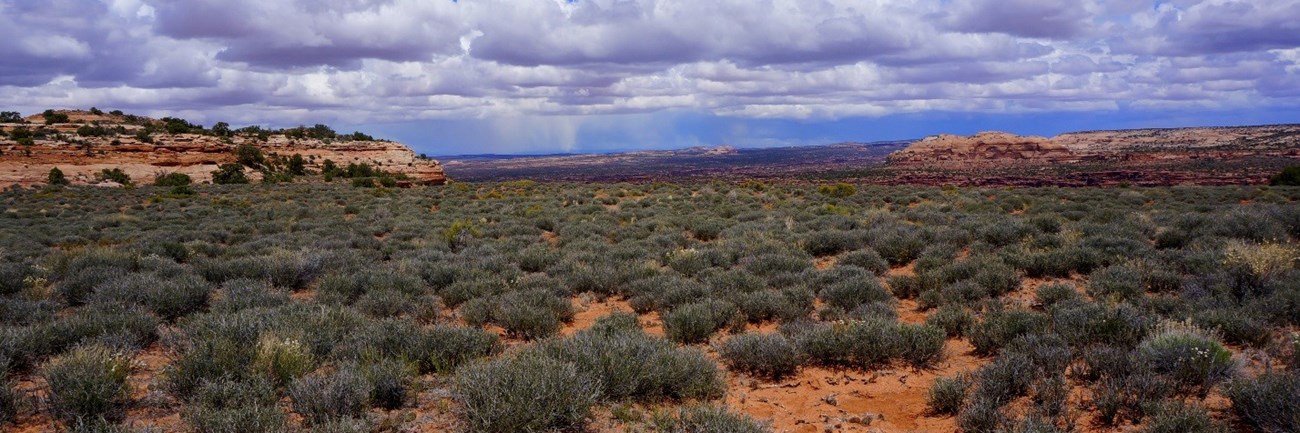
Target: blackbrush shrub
{"points": [[948, 394], [1190, 356], [866, 258], [1236, 326], [1049, 295], [1007, 377], [1269, 402], [696, 322], [905, 286], [531, 314], [630, 365], [1000, 327], [703, 418], [87, 384], [168, 297], [453, 346], [920, 345], [1181, 418], [243, 293], [770, 356], [954, 320], [236, 419], [282, 359], [852, 292], [1047, 352], [524, 393], [229, 406], [10, 398], [831, 242], [982, 415], [1083, 324], [1115, 282], [389, 380], [341, 393]]}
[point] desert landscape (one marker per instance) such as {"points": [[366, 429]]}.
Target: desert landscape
{"points": [[650, 216]]}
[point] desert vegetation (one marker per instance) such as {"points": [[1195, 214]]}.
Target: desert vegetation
{"points": [[653, 307]]}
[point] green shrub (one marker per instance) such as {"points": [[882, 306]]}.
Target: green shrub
{"points": [[948, 394], [342, 393], [1115, 282], [172, 179], [982, 415], [1007, 377], [920, 345], [10, 398], [701, 418], [87, 384], [1181, 418], [850, 293], [866, 258], [56, 177], [453, 346], [1000, 327], [114, 175], [169, 298], [696, 322], [282, 359], [954, 320], [389, 380], [630, 365], [769, 356], [1049, 295], [1289, 176], [229, 406], [229, 174], [1269, 402], [531, 314], [1190, 356], [524, 393]]}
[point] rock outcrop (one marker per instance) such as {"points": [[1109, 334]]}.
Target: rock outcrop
{"points": [[991, 149], [81, 158], [985, 147]]}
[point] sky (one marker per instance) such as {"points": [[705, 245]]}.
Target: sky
{"points": [[554, 76]]}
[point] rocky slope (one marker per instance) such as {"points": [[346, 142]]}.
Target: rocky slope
{"points": [[1002, 149], [981, 148], [81, 158]]}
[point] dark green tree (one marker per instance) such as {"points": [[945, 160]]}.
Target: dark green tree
{"points": [[11, 117], [115, 175], [172, 179], [297, 165], [228, 174], [1289, 176], [56, 177], [221, 129], [249, 155]]}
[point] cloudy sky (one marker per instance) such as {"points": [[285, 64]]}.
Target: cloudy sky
{"points": [[537, 76]]}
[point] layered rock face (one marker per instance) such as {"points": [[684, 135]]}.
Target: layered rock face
{"points": [[82, 158], [1003, 149], [985, 147]]}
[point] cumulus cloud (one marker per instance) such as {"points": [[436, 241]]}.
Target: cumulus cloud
{"points": [[514, 64]]}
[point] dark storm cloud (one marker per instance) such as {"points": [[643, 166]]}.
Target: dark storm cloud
{"points": [[409, 60], [1055, 19]]}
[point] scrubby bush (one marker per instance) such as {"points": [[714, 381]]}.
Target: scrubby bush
{"points": [[1181, 418], [696, 322], [1049, 295], [1190, 356], [948, 394], [869, 343], [88, 384], [230, 406], [1269, 402], [628, 364], [525, 392], [282, 359], [771, 356], [954, 320], [701, 418], [1000, 327], [342, 393]]}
